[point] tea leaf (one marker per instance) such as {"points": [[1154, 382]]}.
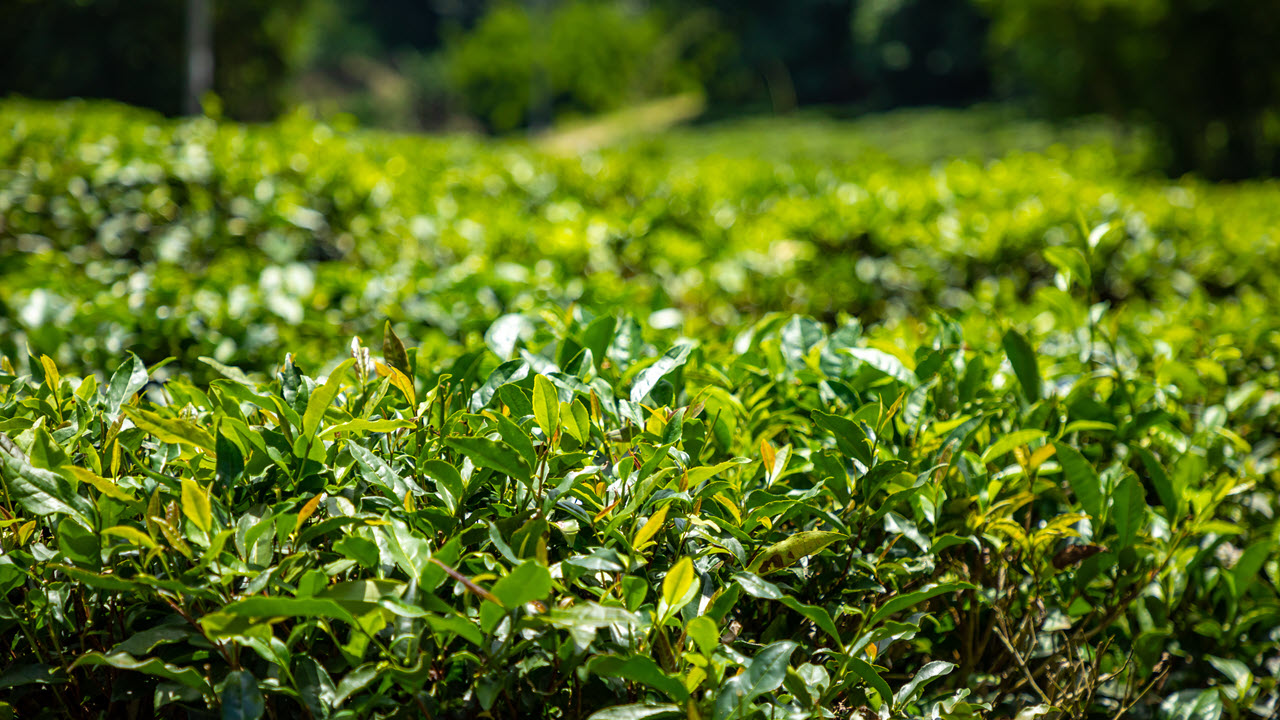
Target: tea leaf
{"points": [[546, 405], [1023, 359]]}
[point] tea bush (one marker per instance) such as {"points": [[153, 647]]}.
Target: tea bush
{"points": [[643, 433]]}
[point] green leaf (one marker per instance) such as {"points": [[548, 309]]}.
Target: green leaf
{"points": [[1250, 564], [322, 398], [1011, 442], [902, 602], [79, 543], [227, 371], [816, 615], [650, 527], [1192, 705], [1023, 359], [241, 698], [575, 420], [393, 350], [678, 587], [270, 607], [598, 336], [488, 453], [699, 474], [314, 685], [31, 674], [230, 460], [1082, 478], [151, 666], [786, 553], [517, 438], [635, 711], [41, 492], [355, 681], [1071, 263], [381, 425], [591, 615], [763, 674], [171, 430], [195, 505], [850, 438], [97, 580], [148, 640], [864, 670], [133, 535], [758, 587], [527, 582], [675, 357], [1130, 505], [704, 632], [106, 486], [126, 381], [885, 363], [448, 483], [546, 405], [508, 372], [410, 550], [908, 693], [377, 472], [1170, 495], [640, 669]]}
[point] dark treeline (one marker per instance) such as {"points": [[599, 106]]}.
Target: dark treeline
{"points": [[1204, 76]]}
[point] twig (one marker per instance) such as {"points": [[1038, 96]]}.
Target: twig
{"points": [[1022, 664]]}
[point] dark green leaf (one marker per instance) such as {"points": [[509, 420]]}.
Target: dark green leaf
{"points": [[1130, 505], [151, 666], [902, 602], [529, 581], [1082, 478], [908, 693], [1023, 359], [393, 350], [487, 453], [864, 670], [763, 674], [126, 381], [647, 379], [241, 698], [639, 669]]}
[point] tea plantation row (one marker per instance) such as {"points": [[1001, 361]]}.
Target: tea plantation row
{"points": [[641, 433]]}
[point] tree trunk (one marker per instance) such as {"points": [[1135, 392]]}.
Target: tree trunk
{"points": [[199, 53]]}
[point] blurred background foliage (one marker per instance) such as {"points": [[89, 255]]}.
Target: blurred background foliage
{"points": [[1202, 75]]}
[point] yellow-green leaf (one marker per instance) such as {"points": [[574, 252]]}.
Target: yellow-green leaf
{"points": [[786, 553], [133, 535], [310, 508], [399, 380], [1009, 442], [650, 528], [364, 426], [572, 423], [322, 398], [170, 430], [99, 483], [546, 405], [195, 505], [679, 586], [51, 376]]}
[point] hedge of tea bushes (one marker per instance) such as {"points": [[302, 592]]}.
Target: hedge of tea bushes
{"points": [[604, 521], [296, 230], [646, 432]]}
